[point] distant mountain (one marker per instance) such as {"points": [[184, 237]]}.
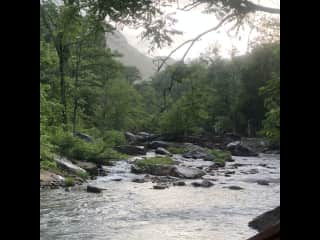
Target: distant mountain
{"points": [[132, 56]]}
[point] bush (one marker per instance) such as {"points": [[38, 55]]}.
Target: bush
{"points": [[48, 165], [113, 138], [69, 182], [219, 155], [177, 150]]}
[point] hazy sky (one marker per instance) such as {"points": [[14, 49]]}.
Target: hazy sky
{"points": [[193, 23]]}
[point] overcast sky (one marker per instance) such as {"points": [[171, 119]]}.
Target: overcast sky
{"points": [[193, 23]]}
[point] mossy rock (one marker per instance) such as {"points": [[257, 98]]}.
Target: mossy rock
{"points": [[177, 149], [160, 166], [220, 156]]}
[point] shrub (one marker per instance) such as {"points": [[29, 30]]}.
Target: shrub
{"points": [[48, 165], [219, 155], [69, 182], [113, 138], [177, 150]]}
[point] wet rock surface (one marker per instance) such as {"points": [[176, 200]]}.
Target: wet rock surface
{"points": [[266, 219], [131, 150], [94, 189], [204, 183], [187, 172], [238, 149]]}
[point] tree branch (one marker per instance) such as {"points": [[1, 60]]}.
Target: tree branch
{"points": [[260, 8], [206, 32]]}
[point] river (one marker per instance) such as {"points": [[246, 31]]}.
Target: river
{"points": [[135, 211]]}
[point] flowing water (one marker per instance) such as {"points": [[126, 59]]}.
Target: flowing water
{"points": [[134, 211]]}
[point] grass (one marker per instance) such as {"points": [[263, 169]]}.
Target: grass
{"points": [[155, 161], [83, 175], [69, 181], [177, 150], [219, 155]]}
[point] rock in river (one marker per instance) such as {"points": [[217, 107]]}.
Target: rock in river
{"points": [[187, 172], [138, 180], [204, 183], [157, 169], [196, 154], [131, 150], [92, 168], [263, 182], [68, 166], [163, 151], [237, 149], [266, 219], [94, 189], [179, 183], [160, 186], [158, 144], [235, 188]]}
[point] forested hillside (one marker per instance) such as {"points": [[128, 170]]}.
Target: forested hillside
{"points": [[85, 90]]}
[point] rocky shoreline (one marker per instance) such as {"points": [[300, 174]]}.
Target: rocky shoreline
{"points": [[180, 164]]}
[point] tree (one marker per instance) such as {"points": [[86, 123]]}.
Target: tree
{"points": [[61, 24]]}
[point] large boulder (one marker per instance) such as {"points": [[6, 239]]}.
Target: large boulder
{"points": [[139, 137], [49, 179], [68, 166], [270, 233], [131, 150], [156, 169], [157, 144], [163, 151], [92, 168], [266, 219], [197, 154], [237, 149], [131, 138], [187, 172]]}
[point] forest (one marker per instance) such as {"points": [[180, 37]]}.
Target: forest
{"points": [[191, 153], [85, 89]]}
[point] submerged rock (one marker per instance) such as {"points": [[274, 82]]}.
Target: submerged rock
{"points": [[179, 183], [263, 182], [160, 186], [204, 183], [138, 180], [235, 188], [94, 189]]}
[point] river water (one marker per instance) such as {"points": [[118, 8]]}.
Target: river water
{"points": [[135, 211]]}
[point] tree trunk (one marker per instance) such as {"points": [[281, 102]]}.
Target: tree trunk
{"points": [[76, 84], [63, 91]]}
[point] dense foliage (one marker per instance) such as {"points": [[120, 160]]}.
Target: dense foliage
{"points": [[84, 88], [240, 95]]}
